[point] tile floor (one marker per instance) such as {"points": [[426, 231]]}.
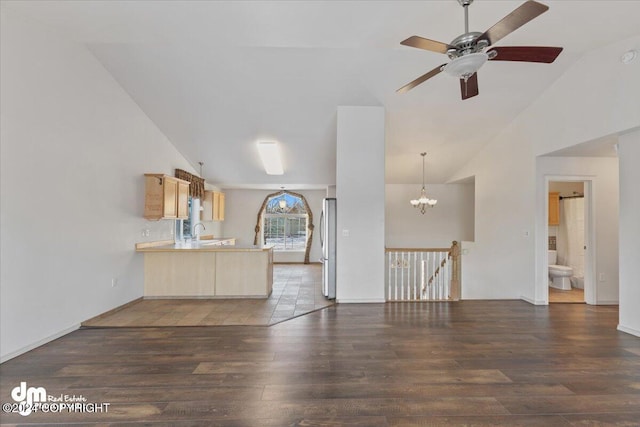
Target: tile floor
{"points": [[296, 291]]}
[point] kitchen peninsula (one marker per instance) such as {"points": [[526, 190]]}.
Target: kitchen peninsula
{"points": [[207, 269]]}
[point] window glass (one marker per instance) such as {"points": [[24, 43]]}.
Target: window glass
{"points": [[285, 223], [183, 226]]}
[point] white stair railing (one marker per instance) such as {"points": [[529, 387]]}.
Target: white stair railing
{"points": [[429, 274]]}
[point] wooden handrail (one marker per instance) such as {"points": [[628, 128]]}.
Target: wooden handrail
{"points": [[453, 253], [435, 273]]}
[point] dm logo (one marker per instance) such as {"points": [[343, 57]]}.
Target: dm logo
{"points": [[26, 397]]}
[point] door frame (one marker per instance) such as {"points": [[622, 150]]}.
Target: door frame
{"points": [[590, 288]]}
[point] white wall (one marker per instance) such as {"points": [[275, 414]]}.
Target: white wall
{"points": [[469, 265], [242, 207], [504, 210], [603, 174], [629, 155], [597, 97], [74, 148], [451, 219], [360, 204]]}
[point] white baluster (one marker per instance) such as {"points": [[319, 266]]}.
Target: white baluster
{"points": [[389, 256], [442, 276], [423, 288], [402, 286], [415, 276], [439, 296], [395, 278]]}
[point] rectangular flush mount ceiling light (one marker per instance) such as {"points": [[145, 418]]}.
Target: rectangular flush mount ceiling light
{"points": [[270, 156]]}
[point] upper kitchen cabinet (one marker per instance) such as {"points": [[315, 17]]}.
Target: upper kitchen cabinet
{"points": [[213, 206], [218, 206], [183, 199], [165, 197], [554, 208]]}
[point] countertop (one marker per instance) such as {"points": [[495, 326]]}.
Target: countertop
{"points": [[203, 246]]}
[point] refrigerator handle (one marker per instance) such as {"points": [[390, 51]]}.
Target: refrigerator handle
{"points": [[322, 229]]}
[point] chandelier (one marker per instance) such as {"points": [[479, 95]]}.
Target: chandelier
{"points": [[423, 202]]}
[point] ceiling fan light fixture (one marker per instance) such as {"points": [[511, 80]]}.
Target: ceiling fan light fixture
{"points": [[465, 66]]}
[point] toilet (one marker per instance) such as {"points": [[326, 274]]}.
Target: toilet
{"points": [[559, 275]]}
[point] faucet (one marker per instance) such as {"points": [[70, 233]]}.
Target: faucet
{"points": [[195, 227]]}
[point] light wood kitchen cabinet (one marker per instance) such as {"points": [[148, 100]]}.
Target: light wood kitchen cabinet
{"points": [[213, 206], [207, 206], [207, 271], [554, 208], [244, 274], [218, 206], [183, 274], [165, 197], [183, 199]]}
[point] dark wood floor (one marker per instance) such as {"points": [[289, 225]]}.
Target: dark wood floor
{"points": [[472, 363]]}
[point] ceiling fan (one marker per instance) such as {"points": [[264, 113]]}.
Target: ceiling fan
{"points": [[467, 50]]}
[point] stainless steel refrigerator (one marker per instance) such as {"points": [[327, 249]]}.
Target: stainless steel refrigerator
{"points": [[328, 242]]}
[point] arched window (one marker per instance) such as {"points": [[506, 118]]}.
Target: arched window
{"points": [[286, 222]]}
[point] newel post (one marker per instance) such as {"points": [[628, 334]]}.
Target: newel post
{"points": [[454, 252]]}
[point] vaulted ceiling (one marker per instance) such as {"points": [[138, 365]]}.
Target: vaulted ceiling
{"points": [[217, 76]]}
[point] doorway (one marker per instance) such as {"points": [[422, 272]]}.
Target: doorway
{"points": [[570, 238]]}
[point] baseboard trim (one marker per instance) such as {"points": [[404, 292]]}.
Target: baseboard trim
{"points": [[532, 301], [627, 330], [607, 302], [361, 301], [38, 343], [113, 310], [527, 299]]}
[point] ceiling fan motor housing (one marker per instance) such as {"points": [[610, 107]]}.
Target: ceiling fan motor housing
{"points": [[465, 44]]}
